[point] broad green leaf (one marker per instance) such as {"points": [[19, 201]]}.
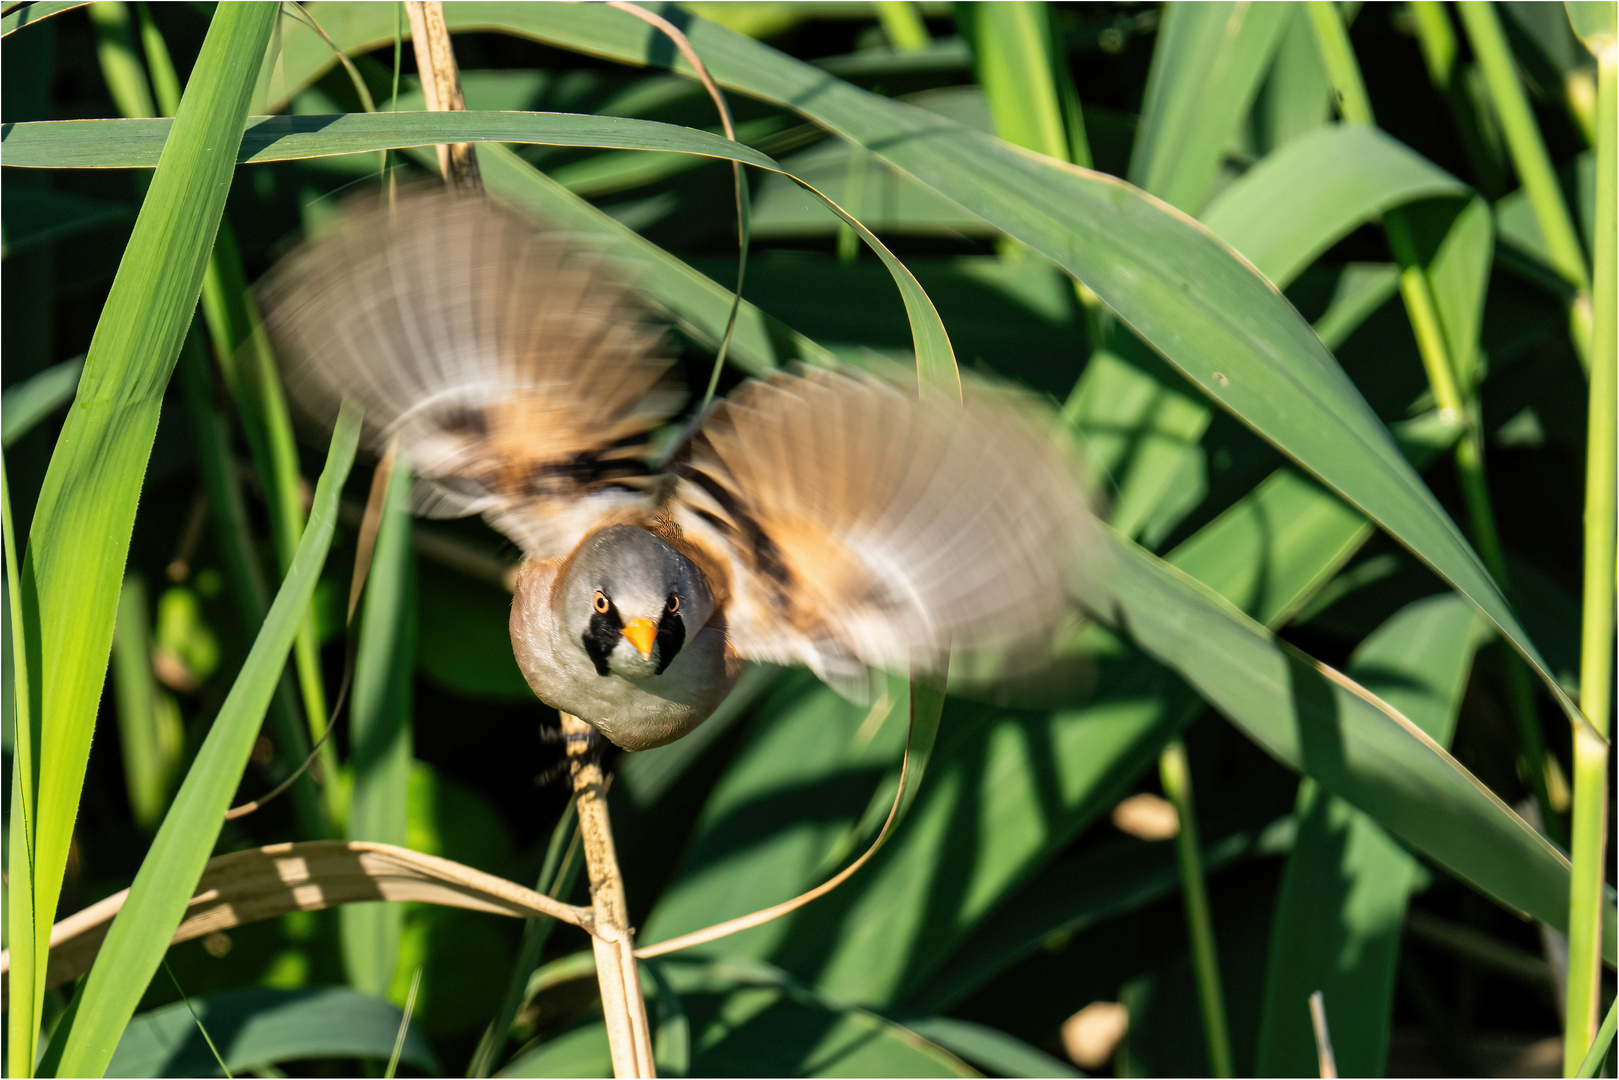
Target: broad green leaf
{"points": [[1297, 95], [891, 204], [1459, 276], [1341, 911], [1017, 316], [1299, 201], [1271, 550], [1141, 429], [997, 1052], [30, 401], [140, 933], [581, 1051], [82, 524], [258, 1026], [1281, 215], [1321, 723], [613, 171], [380, 741], [1206, 68]]}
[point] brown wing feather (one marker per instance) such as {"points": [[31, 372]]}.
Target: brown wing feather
{"points": [[865, 525], [520, 378]]}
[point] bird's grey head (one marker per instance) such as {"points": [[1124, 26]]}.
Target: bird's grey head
{"points": [[632, 601]]}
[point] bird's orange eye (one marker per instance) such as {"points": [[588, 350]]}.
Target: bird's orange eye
{"points": [[674, 604], [601, 602]]}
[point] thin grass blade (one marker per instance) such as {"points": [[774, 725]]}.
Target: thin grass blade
{"points": [[28, 959], [139, 935], [35, 398], [380, 730], [28, 14], [82, 525], [1206, 69]]}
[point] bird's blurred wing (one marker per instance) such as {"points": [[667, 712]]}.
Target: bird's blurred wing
{"points": [[520, 379], [864, 526]]}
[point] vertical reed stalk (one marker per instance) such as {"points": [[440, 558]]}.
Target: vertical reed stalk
{"points": [[1176, 776], [614, 943], [1355, 107], [1590, 821], [1533, 165]]}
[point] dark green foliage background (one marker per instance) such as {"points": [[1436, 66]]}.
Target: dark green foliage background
{"points": [[765, 809]]}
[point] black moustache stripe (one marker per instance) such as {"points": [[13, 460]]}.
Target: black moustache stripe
{"points": [[671, 636], [602, 635]]}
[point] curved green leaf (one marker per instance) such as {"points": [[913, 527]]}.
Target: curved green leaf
{"points": [[136, 143], [1322, 184], [28, 14], [259, 1026]]}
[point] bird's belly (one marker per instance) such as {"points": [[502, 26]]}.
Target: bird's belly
{"points": [[636, 714]]}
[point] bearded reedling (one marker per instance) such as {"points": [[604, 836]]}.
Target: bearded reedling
{"points": [[835, 519]]}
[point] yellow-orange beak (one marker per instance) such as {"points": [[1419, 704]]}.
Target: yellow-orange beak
{"points": [[642, 633]]}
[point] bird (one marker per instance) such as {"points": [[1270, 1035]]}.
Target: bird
{"points": [[843, 519]]}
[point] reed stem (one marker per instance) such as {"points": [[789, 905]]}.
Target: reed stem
{"points": [[613, 941]]}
